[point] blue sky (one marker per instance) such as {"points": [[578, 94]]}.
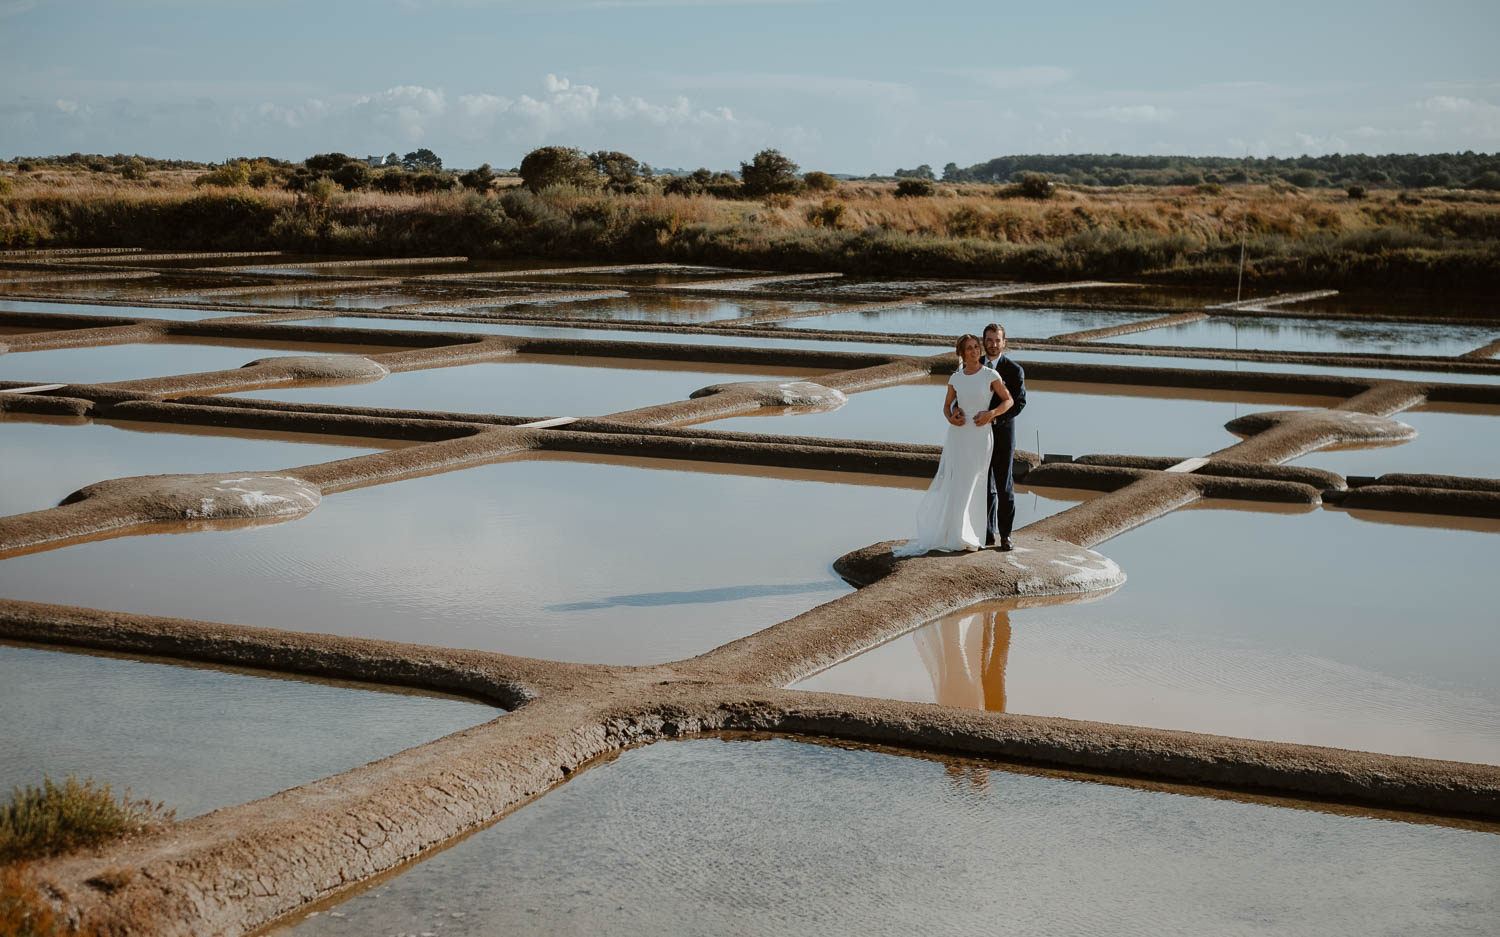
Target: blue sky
{"points": [[837, 85]]}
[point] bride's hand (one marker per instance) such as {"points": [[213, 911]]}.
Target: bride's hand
{"points": [[956, 416]]}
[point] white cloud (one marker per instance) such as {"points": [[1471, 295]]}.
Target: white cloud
{"points": [[1134, 114], [1012, 79], [16, 7], [1319, 146]]}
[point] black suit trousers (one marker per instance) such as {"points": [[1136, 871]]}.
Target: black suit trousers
{"points": [[1002, 487]]}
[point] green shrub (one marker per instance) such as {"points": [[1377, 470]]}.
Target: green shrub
{"points": [[478, 180], [619, 170], [914, 188], [830, 214], [1036, 185], [767, 173], [1209, 188], [392, 180], [325, 163], [1357, 191], [57, 818], [231, 174], [424, 182], [134, 169], [352, 175], [820, 182], [6, 186], [557, 165]]}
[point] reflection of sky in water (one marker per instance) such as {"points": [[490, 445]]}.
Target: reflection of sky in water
{"points": [[1069, 421], [348, 297], [894, 288], [1313, 628], [625, 335], [1167, 361], [520, 388], [45, 462], [1446, 443], [568, 560], [199, 738], [693, 309], [1386, 338], [136, 360], [956, 320], [777, 836], [119, 312]]}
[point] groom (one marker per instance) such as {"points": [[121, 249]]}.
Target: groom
{"points": [[1002, 517]]}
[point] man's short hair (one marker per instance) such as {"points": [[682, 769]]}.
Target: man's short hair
{"points": [[995, 327]]}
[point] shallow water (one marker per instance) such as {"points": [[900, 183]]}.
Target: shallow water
{"points": [[687, 309], [1072, 419], [47, 461], [119, 312], [941, 319], [1314, 628], [584, 561], [1185, 298], [1383, 338], [782, 837], [355, 297], [1464, 443], [624, 334], [886, 286], [131, 361], [196, 737], [532, 385], [1169, 361]]}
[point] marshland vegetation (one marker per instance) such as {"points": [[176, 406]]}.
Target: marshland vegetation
{"points": [[1372, 233]]}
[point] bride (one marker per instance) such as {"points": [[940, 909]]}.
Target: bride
{"points": [[951, 515]]}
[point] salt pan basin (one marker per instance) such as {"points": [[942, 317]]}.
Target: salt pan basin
{"points": [[782, 837], [944, 319], [199, 738], [625, 335], [550, 385], [1074, 419], [1313, 628], [47, 461], [571, 560], [100, 364], [1332, 335], [120, 312]]}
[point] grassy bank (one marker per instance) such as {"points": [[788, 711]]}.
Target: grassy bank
{"points": [[1448, 241]]}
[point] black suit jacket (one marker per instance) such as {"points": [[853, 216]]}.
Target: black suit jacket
{"points": [[1015, 381]]}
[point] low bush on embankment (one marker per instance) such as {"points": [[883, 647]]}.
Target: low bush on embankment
{"points": [[58, 818], [1448, 240]]}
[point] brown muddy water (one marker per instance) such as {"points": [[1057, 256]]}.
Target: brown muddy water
{"points": [[600, 562], [784, 837], [199, 738], [1306, 627]]}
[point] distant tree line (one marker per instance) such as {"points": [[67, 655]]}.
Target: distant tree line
{"points": [[1468, 170]]}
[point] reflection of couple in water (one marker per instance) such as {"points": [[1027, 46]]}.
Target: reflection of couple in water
{"points": [[965, 655], [985, 394]]}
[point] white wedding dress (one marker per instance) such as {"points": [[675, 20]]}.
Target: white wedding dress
{"points": [[952, 513]]}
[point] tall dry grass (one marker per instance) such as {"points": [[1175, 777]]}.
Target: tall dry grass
{"points": [[1290, 236]]}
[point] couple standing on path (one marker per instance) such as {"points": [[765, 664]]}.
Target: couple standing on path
{"points": [[974, 484]]}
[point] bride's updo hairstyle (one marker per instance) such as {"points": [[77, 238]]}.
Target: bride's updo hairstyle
{"points": [[965, 338]]}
